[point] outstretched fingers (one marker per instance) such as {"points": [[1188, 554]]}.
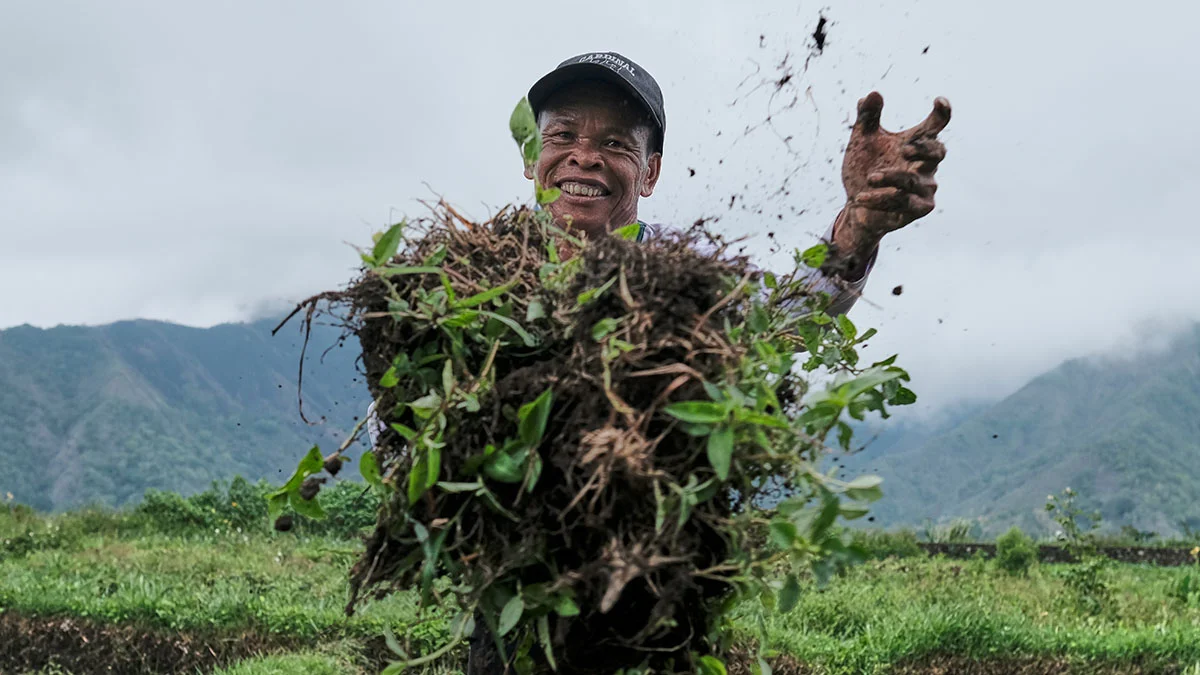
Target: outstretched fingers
{"points": [[913, 182], [937, 120], [896, 201], [870, 109]]}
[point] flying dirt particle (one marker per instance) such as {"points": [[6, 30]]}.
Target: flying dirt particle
{"points": [[691, 172], [926, 50], [732, 198], [762, 41], [819, 34], [898, 290], [939, 320], [995, 435], [871, 519], [280, 386], [310, 487], [333, 465], [283, 523]]}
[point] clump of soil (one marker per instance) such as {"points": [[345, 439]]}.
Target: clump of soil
{"points": [[615, 334]]}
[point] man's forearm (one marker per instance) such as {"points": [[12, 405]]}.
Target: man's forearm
{"points": [[852, 250]]}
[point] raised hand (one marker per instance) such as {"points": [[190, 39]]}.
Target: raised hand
{"points": [[888, 176]]}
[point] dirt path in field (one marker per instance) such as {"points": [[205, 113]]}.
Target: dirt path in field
{"points": [[86, 648], [83, 648]]}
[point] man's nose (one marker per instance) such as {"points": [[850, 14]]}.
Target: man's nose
{"points": [[586, 155]]}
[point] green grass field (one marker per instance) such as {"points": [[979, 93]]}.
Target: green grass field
{"points": [[285, 595]]}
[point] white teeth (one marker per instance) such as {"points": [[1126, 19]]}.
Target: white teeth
{"points": [[581, 190]]}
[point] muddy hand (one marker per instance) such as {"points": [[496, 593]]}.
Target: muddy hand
{"points": [[889, 176]]}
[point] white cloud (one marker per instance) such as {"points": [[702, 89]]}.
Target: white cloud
{"points": [[192, 162]]}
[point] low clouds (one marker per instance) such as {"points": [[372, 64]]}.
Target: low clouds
{"points": [[193, 163]]}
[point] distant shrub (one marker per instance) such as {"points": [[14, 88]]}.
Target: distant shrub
{"points": [[1015, 551], [240, 506], [881, 544], [957, 532]]}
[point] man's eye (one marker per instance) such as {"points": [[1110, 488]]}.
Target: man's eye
{"points": [[614, 143]]}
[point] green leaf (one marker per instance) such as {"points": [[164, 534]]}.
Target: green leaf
{"points": [[711, 665], [815, 256], [532, 149], [628, 232], [505, 467], [591, 294], [276, 504], [770, 281], [565, 606], [485, 296], [760, 419], [851, 511], [697, 412], [864, 488], [306, 507], [369, 469], [460, 319], [903, 396], [511, 614], [758, 321], [425, 406], [416, 479], [389, 242], [789, 595], [548, 195], [408, 433], [762, 667], [522, 123], [437, 256], [603, 327], [394, 668], [720, 450], [528, 339], [826, 516], [543, 629], [448, 486], [783, 533], [845, 434], [433, 466], [535, 311], [389, 378], [532, 418], [846, 326]]}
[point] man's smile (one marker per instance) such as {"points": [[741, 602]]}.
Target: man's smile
{"points": [[583, 188]]}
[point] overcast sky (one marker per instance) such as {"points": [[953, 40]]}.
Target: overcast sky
{"points": [[197, 162]]}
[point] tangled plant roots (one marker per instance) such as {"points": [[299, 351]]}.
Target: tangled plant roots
{"points": [[572, 440]]}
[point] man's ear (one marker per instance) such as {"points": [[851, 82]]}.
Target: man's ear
{"points": [[654, 165]]}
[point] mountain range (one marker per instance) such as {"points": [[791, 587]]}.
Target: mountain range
{"points": [[99, 414], [96, 415]]}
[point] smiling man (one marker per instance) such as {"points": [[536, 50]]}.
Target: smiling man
{"points": [[603, 125]]}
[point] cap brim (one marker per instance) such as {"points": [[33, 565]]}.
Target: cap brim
{"points": [[541, 90]]}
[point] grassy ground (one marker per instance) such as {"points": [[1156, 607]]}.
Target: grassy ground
{"points": [[889, 615]]}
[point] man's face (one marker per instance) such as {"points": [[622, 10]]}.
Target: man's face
{"points": [[596, 149]]}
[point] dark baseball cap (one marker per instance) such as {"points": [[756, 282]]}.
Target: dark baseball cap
{"points": [[609, 67]]}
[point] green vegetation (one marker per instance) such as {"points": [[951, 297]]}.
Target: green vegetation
{"points": [[288, 587], [96, 415], [1015, 552], [1120, 430]]}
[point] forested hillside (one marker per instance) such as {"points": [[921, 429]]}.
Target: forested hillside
{"points": [[99, 414], [1124, 432]]}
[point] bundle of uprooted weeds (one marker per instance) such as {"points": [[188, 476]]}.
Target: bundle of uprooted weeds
{"points": [[574, 435]]}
